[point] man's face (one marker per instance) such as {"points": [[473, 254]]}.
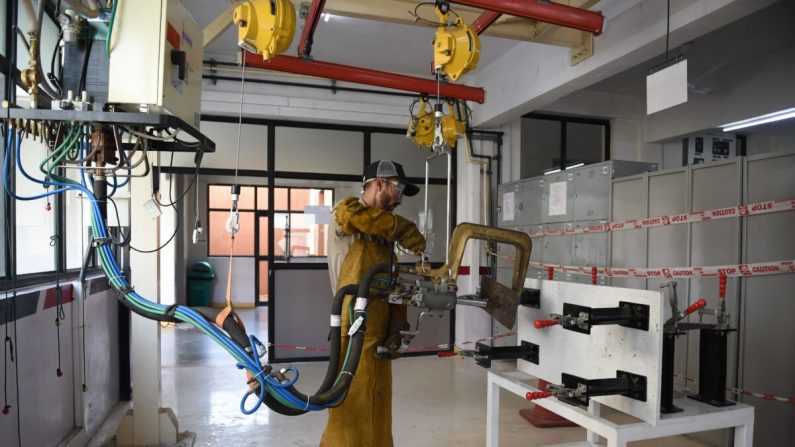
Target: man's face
{"points": [[389, 193]]}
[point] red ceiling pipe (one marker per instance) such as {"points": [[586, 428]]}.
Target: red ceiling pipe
{"points": [[485, 20], [312, 19], [554, 13], [347, 73]]}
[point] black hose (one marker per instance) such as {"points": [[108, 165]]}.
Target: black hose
{"points": [[235, 331], [341, 381], [335, 339]]}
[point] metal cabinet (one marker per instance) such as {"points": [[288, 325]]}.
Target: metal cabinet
{"points": [[520, 203]]}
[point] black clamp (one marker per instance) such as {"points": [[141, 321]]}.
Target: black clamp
{"points": [[100, 241], [171, 311]]}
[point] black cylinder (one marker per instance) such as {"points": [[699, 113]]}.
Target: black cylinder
{"points": [[667, 392]]}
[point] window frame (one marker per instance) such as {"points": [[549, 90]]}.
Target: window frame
{"points": [[564, 121]]}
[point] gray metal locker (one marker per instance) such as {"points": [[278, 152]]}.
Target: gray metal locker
{"points": [[559, 197], [767, 358], [628, 247]]}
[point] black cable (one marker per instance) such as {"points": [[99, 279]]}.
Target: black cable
{"points": [[667, 30], [176, 213], [59, 311], [125, 240], [53, 78], [81, 86]]}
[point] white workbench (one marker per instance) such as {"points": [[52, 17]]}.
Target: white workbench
{"points": [[696, 417]]}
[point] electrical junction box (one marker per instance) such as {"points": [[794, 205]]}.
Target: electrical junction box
{"points": [[156, 59]]}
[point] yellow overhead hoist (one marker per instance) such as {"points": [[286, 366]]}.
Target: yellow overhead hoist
{"points": [[423, 128], [456, 47], [265, 27]]}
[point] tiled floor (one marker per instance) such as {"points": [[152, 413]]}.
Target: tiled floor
{"points": [[437, 402]]}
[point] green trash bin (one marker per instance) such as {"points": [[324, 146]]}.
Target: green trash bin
{"points": [[200, 284]]}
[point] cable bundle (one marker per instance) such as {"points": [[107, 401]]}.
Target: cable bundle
{"points": [[274, 389]]}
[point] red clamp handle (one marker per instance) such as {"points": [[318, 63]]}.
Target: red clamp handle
{"points": [[722, 286], [593, 275], [550, 273], [695, 306], [446, 353], [533, 395], [541, 324]]}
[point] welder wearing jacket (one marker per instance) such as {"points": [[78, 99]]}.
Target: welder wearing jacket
{"points": [[360, 235]]}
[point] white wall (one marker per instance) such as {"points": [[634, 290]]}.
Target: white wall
{"points": [[51, 407]]}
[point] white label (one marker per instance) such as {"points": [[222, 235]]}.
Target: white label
{"points": [[557, 199], [336, 321], [361, 304], [508, 204], [355, 326]]}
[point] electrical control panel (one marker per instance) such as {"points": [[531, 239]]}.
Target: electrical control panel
{"points": [[156, 52]]}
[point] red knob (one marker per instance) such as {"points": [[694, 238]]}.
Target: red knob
{"points": [[722, 286], [537, 395], [58, 372], [48, 207], [593, 275], [696, 306], [446, 353], [550, 273], [540, 324], [6, 409]]}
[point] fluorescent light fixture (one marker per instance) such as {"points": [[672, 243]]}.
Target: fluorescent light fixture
{"points": [[552, 171], [575, 166], [761, 119]]}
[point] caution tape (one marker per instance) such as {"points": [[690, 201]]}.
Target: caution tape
{"points": [[752, 209], [739, 392], [715, 271]]}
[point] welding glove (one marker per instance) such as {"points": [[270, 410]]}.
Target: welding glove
{"points": [[409, 237]]}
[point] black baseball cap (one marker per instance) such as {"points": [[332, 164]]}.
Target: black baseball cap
{"points": [[390, 169]]}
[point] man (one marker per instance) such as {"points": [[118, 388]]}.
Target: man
{"points": [[360, 236]]}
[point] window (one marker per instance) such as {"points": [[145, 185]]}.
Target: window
{"points": [[319, 151], [396, 147], [549, 142], [35, 219], [299, 221], [219, 204]]}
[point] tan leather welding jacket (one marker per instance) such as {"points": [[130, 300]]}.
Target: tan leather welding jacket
{"points": [[359, 238]]}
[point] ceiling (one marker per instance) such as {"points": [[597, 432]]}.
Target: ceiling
{"points": [[714, 57], [358, 42]]}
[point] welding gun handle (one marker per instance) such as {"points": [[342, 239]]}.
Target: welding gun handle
{"points": [[533, 395], [540, 324], [695, 306]]}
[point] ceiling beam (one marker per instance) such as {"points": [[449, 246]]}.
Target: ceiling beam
{"points": [[219, 24], [347, 73], [312, 19], [485, 20], [554, 13]]}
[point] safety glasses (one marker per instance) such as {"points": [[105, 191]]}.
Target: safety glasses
{"points": [[399, 187]]}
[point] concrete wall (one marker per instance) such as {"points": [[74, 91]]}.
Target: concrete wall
{"points": [[52, 409]]}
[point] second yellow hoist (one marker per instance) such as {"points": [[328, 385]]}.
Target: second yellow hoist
{"points": [[422, 128]]}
